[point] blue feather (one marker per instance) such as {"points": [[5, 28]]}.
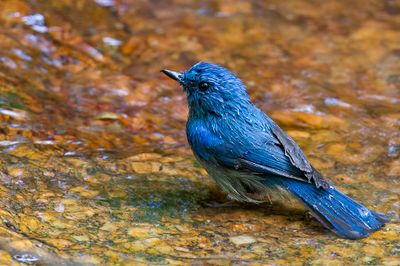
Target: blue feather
{"points": [[336, 211]]}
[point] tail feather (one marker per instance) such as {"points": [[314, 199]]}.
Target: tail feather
{"points": [[336, 211]]}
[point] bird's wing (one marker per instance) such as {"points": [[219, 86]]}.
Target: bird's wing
{"points": [[290, 160], [297, 157], [269, 154]]}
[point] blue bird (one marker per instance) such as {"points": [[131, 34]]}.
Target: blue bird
{"points": [[249, 155]]}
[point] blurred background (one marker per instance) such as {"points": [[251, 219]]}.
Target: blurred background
{"points": [[95, 168]]}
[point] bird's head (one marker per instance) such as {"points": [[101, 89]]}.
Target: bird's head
{"points": [[211, 89]]}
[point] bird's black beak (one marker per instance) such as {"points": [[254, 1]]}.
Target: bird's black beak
{"points": [[173, 74]]}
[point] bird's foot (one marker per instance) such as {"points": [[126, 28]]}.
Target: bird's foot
{"points": [[308, 216], [214, 204]]}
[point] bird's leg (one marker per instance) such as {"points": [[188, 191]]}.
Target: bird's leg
{"points": [[214, 204], [308, 216]]}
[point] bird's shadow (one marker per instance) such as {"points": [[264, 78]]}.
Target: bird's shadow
{"points": [[218, 202], [290, 211], [178, 199]]}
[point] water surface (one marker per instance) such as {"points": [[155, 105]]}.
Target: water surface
{"points": [[95, 168]]}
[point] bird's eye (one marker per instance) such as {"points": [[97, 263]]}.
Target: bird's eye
{"points": [[203, 86]]}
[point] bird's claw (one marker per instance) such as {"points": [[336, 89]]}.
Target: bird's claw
{"points": [[214, 204]]}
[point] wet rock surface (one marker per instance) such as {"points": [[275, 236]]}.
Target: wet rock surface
{"points": [[94, 165]]}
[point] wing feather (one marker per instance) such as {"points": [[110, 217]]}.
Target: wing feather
{"points": [[273, 154]]}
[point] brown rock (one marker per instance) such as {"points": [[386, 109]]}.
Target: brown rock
{"points": [[393, 169]]}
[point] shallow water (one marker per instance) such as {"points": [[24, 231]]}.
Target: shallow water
{"points": [[95, 168]]}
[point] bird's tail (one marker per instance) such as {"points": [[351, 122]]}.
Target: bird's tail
{"points": [[336, 211]]}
